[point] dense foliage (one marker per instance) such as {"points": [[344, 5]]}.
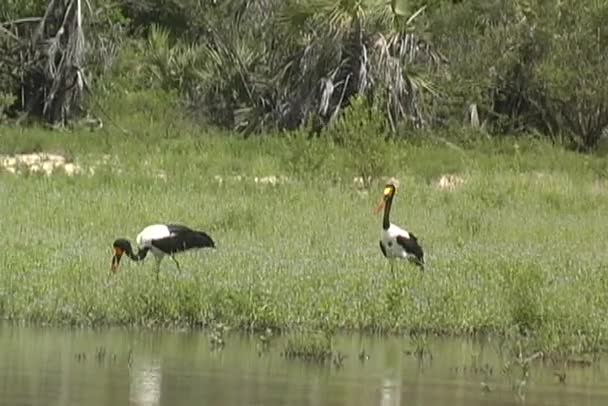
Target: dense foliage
{"points": [[507, 66]]}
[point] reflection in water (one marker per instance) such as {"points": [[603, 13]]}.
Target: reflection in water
{"points": [[47, 366], [145, 382], [315, 396], [391, 392]]}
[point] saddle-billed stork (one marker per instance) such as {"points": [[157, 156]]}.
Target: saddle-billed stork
{"points": [[161, 240], [396, 242]]}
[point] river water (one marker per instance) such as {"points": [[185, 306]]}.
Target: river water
{"points": [[55, 366]]}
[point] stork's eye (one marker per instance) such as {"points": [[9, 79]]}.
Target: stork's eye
{"points": [[390, 243]]}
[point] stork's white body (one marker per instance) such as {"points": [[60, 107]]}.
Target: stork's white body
{"points": [[389, 240], [151, 233], [397, 243]]}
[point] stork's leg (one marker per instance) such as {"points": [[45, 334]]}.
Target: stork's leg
{"points": [[158, 259], [176, 263]]}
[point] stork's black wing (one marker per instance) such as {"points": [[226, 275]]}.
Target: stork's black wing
{"points": [[175, 229], [182, 238], [411, 246]]}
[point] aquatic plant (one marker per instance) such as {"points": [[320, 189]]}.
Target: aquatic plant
{"points": [[309, 346]]}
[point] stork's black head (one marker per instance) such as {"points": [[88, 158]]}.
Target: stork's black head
{"points": [[120, 246], [389, 190], [389, 193]]}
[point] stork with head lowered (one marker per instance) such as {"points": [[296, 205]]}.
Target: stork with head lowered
{"points": [[161, 240]]}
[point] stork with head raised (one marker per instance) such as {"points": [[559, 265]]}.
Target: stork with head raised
{"points": [[395, 242]]}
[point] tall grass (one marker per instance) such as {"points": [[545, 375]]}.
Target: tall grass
{"points": [[520, 244]]}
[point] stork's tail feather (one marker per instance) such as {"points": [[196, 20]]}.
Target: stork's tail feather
{"points": [[200, 239]]}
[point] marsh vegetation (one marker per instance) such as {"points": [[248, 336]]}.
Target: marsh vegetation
{"points": [[517, 244], [476, 107]]}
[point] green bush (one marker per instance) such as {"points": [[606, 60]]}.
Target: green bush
{"points": [[508, 67], [527, 65], [362, 131]]}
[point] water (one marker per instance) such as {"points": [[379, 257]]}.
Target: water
{"points": [[49, 366]]}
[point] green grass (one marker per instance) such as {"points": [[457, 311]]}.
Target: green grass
{"points": [[521, 244]]}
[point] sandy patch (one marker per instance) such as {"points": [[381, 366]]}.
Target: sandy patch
{"points": [[272, 180], [361, 182], [49, 164], [450, 182], [38, 163]]}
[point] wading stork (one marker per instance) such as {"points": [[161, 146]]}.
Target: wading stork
{"points": [[161, 240], [396, 242]]}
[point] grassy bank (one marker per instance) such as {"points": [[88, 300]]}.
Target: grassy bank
{"points": [[520, 243]]}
